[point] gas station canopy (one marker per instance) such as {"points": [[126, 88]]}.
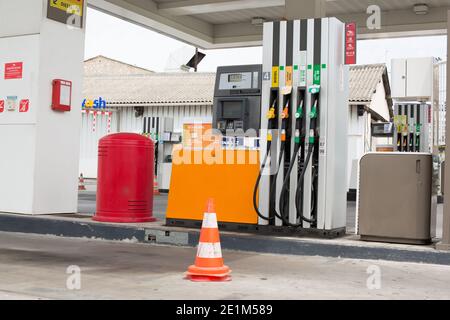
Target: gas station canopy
{"points": [[212, 24]]}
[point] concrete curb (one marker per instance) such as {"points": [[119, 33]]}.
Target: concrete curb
{"points": [[230, 241]]}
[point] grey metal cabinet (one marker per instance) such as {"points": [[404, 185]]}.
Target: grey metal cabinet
{"points": [[395, 197]]}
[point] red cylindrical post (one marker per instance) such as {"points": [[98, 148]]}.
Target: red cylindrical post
{"points": [[125, 178]]}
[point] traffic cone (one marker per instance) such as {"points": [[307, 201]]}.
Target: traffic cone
{"points": [[209, 264], [81, 185], [156, 187]]}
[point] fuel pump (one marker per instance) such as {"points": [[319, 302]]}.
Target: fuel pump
{"points": [[309, 183], [412, 125], [301, 114]]}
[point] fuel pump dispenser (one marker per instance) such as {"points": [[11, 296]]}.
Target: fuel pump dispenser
{"points": [[298, 103], [307, 90], [412, 121]]}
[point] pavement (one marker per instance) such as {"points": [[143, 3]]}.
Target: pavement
{"points": [[348, 246], [35, 267]]}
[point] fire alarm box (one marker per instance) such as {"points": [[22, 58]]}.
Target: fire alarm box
{"points": [[62, 95]]}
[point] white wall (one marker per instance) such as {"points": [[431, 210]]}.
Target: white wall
{"points": [[357, 143], [129, 122], [89, 139], [379, 103]]}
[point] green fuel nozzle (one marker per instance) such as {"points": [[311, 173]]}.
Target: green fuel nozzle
{"points": [[297, 136], [313, 116], [314, 89], [299, 113]]}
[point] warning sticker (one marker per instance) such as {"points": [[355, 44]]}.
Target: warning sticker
{"points": [[316, 74], [275, 77], [11, 103], [13, 70], [322, 149], [24, 105], [289, 72], [2, 106], [69, 6], [303, 76]]}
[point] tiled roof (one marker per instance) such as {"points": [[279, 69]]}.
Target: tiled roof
{"points": [[364, 80], [153, 89], [122, 84], [103, 66]]}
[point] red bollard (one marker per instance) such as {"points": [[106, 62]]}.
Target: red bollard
{"points": [[125, 178]]}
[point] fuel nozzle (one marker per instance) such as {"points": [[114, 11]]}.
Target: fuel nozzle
{"points": [[418, 127], [314, 89], [313, 114], [312, 130], [271, 113], [299, 113], [297, 136], [285, 112]]}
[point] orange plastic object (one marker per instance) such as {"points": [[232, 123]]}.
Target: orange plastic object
{"points": [[209, 264], [230, 184]]}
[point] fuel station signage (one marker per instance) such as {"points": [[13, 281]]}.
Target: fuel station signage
{"points": [[13, 70], [66, 11], [24, 105], [350, 43], [64, 5]]}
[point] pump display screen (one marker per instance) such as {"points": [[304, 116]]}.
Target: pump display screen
{"points": [[238, 80], [232, 109], [235, 77]]}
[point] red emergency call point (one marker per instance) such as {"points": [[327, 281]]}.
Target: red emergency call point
{"points": [[62, 95]]}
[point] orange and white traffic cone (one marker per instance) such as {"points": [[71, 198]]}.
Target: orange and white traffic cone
{"points": [[156, 186], [209, 264], [81, 185]]}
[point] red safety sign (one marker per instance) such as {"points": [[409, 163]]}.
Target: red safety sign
{"points": [[13, 70], [2, 106], [350, 43], [24, 105]]}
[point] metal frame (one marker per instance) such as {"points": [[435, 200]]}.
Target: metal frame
{"points": [[262, 229]]}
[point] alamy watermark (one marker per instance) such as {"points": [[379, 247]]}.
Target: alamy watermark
{"points": [[374, 279], [73, 281], [374, 19], [75, 18]]}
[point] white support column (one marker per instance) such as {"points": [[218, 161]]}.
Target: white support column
{"points": [[445, 243], [39, 147], [305, 9]]}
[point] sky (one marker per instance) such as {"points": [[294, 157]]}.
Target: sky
{"points": [[124, 41]]}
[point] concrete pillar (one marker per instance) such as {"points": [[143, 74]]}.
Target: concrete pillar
{"points": [[39, 147], [303, 9], [445, 244]]}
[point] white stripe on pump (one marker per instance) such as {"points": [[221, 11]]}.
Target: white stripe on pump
{"points": [[209, 220], [209, 250]]}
